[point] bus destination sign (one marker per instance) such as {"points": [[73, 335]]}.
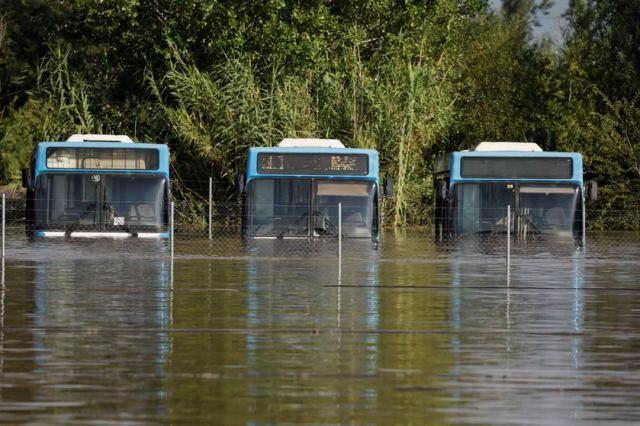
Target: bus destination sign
{"points": [[313, 164], [517, 167]]}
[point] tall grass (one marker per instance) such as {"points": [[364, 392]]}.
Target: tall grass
{"points": [[399, 109], [57, 107]]}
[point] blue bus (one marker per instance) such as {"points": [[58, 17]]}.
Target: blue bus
{"points": [[293, 190], [97, 186], [544, 190]]}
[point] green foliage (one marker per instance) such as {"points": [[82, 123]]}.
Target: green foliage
{"points": [[615, 157], [411, 79], [58, 107], [525, 9], [400, 109], [621, 124], [599, 103], [602, 45]]}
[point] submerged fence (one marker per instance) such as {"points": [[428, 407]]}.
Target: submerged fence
{"points": [[285, 231]]}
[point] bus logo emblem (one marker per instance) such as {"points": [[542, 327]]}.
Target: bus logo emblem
{"points": [[95, 178]]}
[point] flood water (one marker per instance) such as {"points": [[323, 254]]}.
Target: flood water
{"points": [[408, 333]]}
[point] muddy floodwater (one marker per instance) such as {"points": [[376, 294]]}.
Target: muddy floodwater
{"points": [[411, 332]]}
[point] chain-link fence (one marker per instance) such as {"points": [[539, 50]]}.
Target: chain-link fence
{"points": [[222, 229]]}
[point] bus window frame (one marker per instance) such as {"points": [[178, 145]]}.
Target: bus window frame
{"points": [[102, 225], [248, 207], [156, 159], [454, 205]]}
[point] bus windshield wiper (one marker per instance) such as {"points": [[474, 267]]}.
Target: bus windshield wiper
{"points": [[328, 226], [295, 223], [90, 208], [325, 221], [529, 221], [124, 225], [489, 232]]}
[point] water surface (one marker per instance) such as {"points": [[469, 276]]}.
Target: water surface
{"points": [[408, 332]]}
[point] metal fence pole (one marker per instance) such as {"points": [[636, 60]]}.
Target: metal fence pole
{"points": [[171, 218], [584, 224], [508, 235], [2, 291], [340, 235], [4, 235], [210, 202]]}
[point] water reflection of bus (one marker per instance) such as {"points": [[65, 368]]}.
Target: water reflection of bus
{"points": [[97, 185], [516, 342], [341, 342], [71, 333], [544, 190], [293, 190]]}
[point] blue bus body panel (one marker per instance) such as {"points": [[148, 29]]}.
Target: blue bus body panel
{"points": [[456, 158], [252, 163], [41, 157]]}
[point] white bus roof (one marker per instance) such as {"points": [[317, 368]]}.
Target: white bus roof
{"points": [[99, 138], [508, 146], [310, 143]]}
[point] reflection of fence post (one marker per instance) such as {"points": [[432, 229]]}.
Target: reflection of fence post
{"points": [[508, 235], [340, 234], [172, 228], [584, 223], [210, 202], [4, 235]]}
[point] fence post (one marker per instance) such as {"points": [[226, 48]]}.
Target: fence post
{"points": [[210, 202], [172, 228], [340, 235], [584, 224], [2, 291], [508, 235], [4, 235]]}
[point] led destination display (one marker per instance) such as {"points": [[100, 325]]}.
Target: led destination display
{"points": [[516, 168], [313, 164]]}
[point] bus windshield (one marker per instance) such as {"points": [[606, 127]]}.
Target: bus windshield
{"points": [[309, 207], [482, 207], [536, 208], [100, 201], [547, 208]]}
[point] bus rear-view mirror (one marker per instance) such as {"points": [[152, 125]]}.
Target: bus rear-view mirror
{"points": [[442, 189], [26, 178], [593, 191], [387, 187], [239, 184]]}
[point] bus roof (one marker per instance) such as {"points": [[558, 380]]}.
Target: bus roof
{"points": [[99, 138], [515, 154], [372, 169], [310, 143], [508, 146], [96, 144]]}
